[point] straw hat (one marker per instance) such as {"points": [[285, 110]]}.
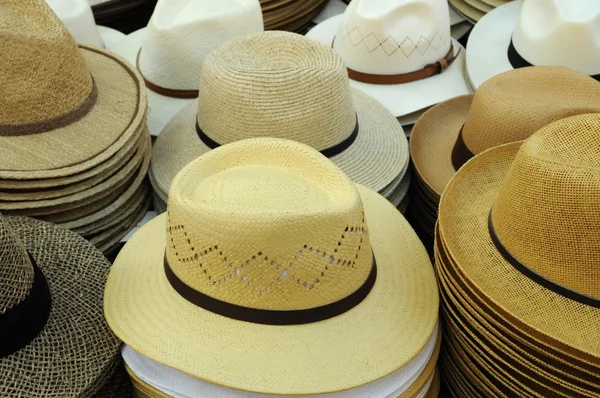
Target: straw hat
{"points": [[290, 15], [515, 223], [283, 85], [270, 245], [170, 51], [51, 276], [535, 32], [398, 49]]}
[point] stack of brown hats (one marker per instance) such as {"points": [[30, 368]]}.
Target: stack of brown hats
{"points": [[507, 108], [290, 15], [74, 147], [474, 10], [518, 261]]}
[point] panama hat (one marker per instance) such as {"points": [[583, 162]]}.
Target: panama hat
{"points": [[286, 244], [170, 51], [535, 32], [282, 85], [51, 276], [397, 49]]}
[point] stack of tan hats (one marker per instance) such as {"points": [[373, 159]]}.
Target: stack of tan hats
{"points": [[290, 15], [507, 108], [474, 10], [74, 148], [517, 255]]}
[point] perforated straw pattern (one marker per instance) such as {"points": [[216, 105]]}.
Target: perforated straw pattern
{"points": [[16, 271]]}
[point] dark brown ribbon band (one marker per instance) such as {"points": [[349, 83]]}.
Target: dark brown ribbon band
{"points": [[11, 130], [329, 152], [539, 279], [517, 60], [271, 317], [460, 153], [23, 322], [168, 92]]}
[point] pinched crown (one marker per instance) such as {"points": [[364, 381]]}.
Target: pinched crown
{"points": [[267, 224]]}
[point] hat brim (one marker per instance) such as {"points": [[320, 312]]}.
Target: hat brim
{"points": [[110, 37], [75, 272], [376, 158], [87, 142], [392, 324], [489, 41], [467, 11], [418, 94], [463, 226], [161, 108], [433, 138]]}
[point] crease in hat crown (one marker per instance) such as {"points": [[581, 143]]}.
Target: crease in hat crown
{"points": [[513, 105], [267, 224], [560, 32], [276, 84], [385, 37], [547, 212], [43, 75], [181, 34]]}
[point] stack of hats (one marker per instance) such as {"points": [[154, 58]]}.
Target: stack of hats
{"points": [[272, 274], [474, 10], [123, 15], [517, 255], [506, 108], [74, 148], [535, 32], [290, 15], [283, 85], [400, 53]]}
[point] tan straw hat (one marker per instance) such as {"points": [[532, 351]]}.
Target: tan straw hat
{"points": [[283, 85], [271, 272], [55, 341], [518, 225]]}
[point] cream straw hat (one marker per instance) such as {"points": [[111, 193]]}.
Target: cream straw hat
{"points": [[398, 49], [282, 85], [536, 32], [277, 272]]}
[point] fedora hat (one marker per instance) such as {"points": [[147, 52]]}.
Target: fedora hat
{"points": [[51, 277], [398, 50], [170, 51], [535, 32], [267, 244], [282, 85], [518, 228]]}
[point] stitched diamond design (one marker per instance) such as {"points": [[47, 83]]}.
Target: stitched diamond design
{"points": [[407, 47], [355, 37], [390, 46], [371, 42]]}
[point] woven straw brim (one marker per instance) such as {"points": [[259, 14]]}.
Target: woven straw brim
{"points": [[496, 3], [111, 239], [547, 316], [479, 5], [392, 324], [75, 351], [375, 159], [159, 205], [433, 138], [469, 12], [83, 144], [117, 384]]}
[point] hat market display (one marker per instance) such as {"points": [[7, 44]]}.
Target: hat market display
{"points": [[517, 260], [506, 108], [535, 32], [291, 15], [170, 51], [51, 277], [283, 85], [123, 15], [271, 272], [474, 10], [398, 52], [74, 147]]}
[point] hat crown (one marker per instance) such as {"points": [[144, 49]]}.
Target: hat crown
{"points": [[276, 84], [560, 32], [181, 34], [513, 105], [547, 211], [16, 270], [43, 74], [267, 224], [386, 37], [78, 18]]}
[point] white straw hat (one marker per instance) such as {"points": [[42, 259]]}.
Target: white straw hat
{"points": [[536, 32], [400, 53]]}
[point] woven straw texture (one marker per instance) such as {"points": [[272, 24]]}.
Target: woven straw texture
{"points": [[74, 353], [267, 198]]}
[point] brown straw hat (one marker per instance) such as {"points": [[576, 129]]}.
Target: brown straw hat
{"points": [[55, 341], [283, 85]]}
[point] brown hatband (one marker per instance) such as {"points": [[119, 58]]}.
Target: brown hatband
{"points": [[169, 92]]}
